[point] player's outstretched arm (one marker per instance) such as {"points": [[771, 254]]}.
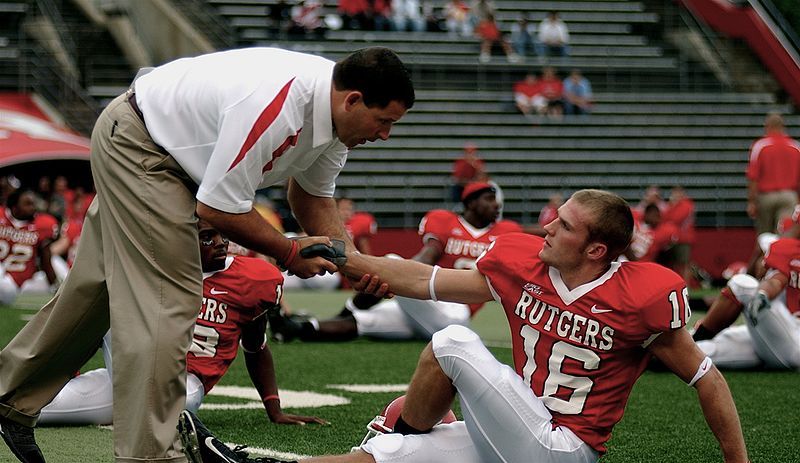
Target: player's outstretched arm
{"points": [[679, 353], [377, 275], [261, 368]]}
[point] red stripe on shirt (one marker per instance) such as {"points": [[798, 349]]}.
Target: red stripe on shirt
{"points": [[265, 119], [290, 141]]}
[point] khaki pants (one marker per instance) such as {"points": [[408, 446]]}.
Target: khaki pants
{"points": [[772, 207], [138, 271]]}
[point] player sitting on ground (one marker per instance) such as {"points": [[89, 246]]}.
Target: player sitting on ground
{"points": [[236, 293], [770, 336], [583, 326], [25, 238], [449, 240]]}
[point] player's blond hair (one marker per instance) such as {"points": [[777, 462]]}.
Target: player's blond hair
{"points": [[613, 221]]}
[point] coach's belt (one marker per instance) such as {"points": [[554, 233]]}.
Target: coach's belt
{"points": [[131, 96]]}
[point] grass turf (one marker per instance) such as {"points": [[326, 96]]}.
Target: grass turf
{"points": [[662, 423]]}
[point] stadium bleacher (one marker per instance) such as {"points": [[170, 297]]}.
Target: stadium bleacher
{"points": [[659, 117]]}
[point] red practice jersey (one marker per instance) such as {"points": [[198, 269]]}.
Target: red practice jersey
{"points": [[648, 242], [361, 225], [461, 243], [20, 241], [581, 350], [232, 298], [784, 256]]}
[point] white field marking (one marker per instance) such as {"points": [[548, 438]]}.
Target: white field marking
{"points": [[271, 453], [26, 317], [241, 406], [289, 399], [369, 388], [107, 427]]}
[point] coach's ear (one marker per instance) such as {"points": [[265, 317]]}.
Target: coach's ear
{"points": [[596, 251]]}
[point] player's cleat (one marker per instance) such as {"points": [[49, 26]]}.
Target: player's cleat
{"points": [[201, 446], [385, 421], [20, 440]]}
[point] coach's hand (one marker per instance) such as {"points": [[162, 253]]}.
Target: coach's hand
{"points": [[308, 267]]}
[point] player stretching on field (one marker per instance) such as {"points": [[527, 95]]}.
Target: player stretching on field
{"points": [[449, 240], [236, 293], [582, 328]]}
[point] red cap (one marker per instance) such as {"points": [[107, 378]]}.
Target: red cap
{"points": [[475, 187]]}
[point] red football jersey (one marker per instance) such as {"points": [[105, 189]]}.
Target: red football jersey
{"points": [[461, 242], [20, 241], [232, 298], [581, 350], [784, 256], [361, 225]]}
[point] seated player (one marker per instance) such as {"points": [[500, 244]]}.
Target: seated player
{"points": [[25, 238], [236, 293], [770, 336], [360, 225], [583, 326], [652, 237], [449, 240]]}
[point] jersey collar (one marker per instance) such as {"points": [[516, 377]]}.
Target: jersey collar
{"points": [[570, 296], [17, 223], [474, 232], [228, 262]]}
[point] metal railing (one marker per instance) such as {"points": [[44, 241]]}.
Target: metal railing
{"points": [[206, 20]]}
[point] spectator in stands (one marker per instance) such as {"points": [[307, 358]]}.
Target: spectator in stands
{"points": [[457, 18], [306, 20], [577, 94], [528, 96], [680, 212], [44, 189], [490, 34], [552, 90], [523, 33], [553, 36], [406, 16], [379, 12], [467, 169], [434, 22], [353, 14], [773, 175], [278, 17], [62, 195], [480, 10]]}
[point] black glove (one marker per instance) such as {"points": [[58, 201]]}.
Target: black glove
{"points": [[759, 303], [334, 253]]}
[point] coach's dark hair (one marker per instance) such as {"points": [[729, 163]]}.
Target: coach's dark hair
{"points": [[378, 74], [13, 197], [613, 220]]}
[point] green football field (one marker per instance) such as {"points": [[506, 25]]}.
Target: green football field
{"points": [[348, 383]]}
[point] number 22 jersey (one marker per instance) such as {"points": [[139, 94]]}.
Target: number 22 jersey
{"points": [[581, 350]]}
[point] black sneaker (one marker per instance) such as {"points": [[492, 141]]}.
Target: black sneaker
{"points": [[20, 440], [283, 328], [200, 446]]}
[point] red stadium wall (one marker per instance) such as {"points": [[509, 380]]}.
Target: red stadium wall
{"points": [[714, 250]]}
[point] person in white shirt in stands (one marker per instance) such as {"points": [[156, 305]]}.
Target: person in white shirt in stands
{"points": [[553, 37]]}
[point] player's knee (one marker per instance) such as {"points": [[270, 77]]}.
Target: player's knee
{"points": [[387, 447], [744, 287], [456, 346]]}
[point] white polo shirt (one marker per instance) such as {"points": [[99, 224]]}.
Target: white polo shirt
{"points": [[241, 120]]}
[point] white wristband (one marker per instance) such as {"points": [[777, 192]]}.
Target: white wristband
{"points": [[431, 283], [705, 367]]}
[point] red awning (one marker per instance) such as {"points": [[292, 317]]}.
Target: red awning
{"points": [[28, 134]]}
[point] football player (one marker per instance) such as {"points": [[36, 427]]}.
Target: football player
{"points": [[770, 336], [583, 326], [361, 226], [236, 294], [25, 238], [450, 241]]}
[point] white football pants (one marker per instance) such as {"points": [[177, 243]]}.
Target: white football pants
{"points": [[88, 398], [405, 318], [329, 281], [774, 341], [503, 420]]}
